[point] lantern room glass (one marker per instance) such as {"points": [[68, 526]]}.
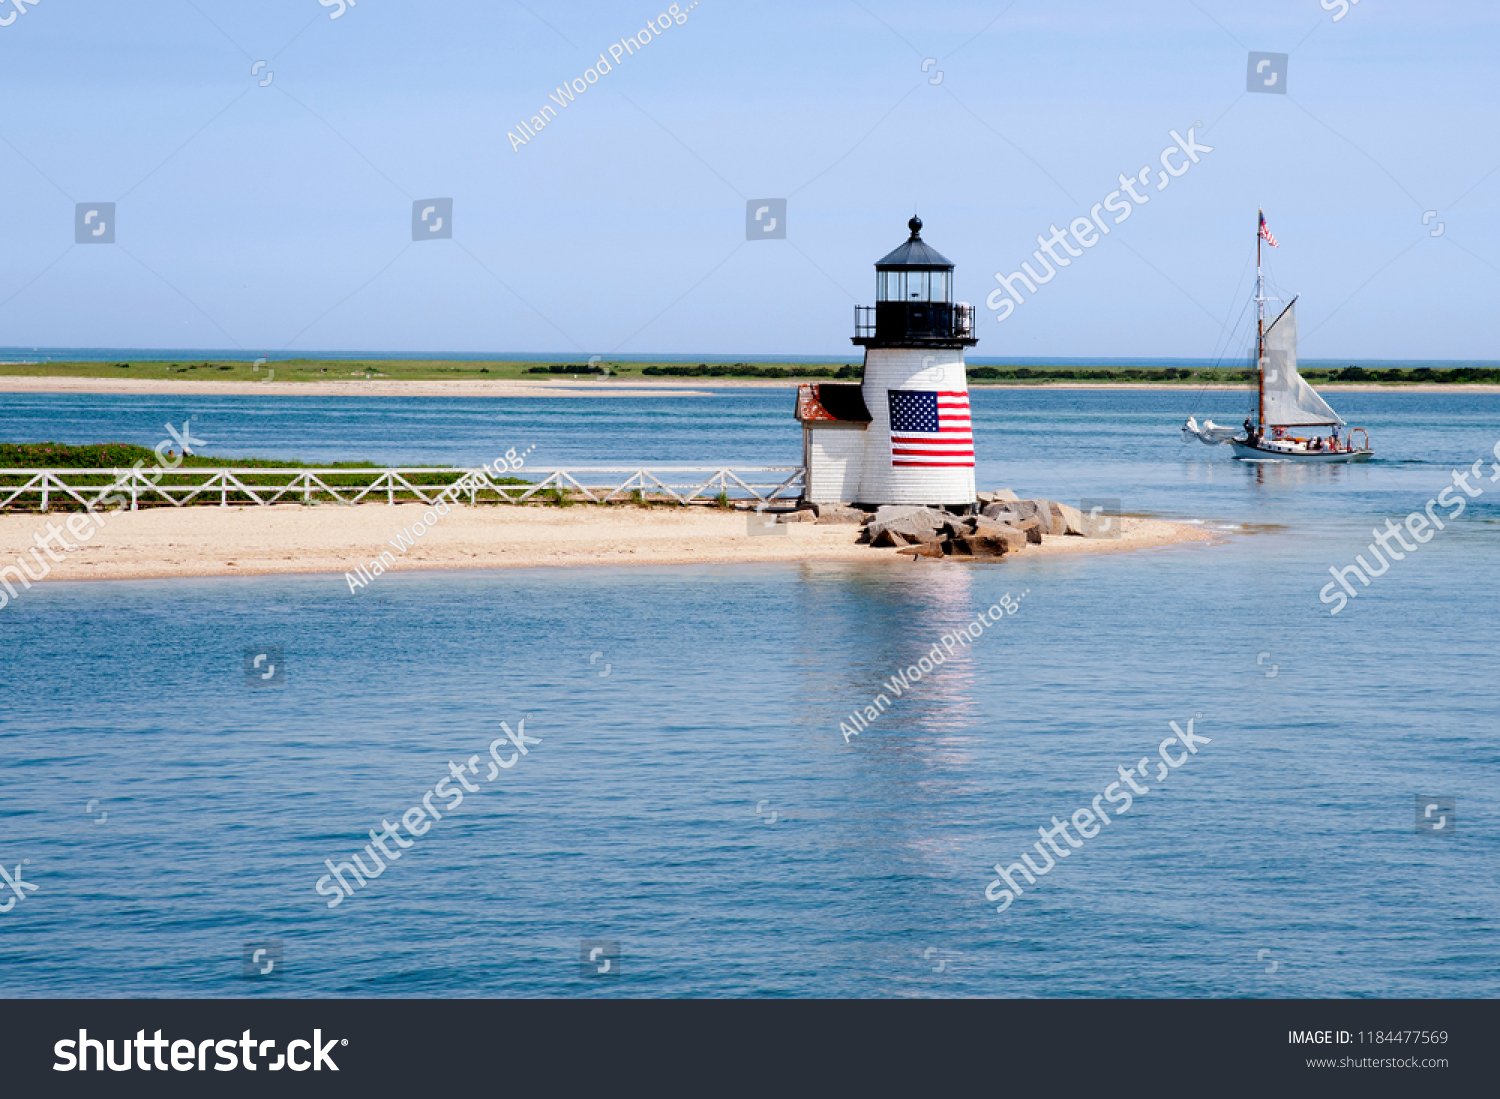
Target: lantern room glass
{"points": [[912, 285]]}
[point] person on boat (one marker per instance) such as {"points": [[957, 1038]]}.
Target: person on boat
{"points": [[1333, 439]]}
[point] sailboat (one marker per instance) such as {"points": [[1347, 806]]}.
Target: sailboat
{"points": [[1286, 405]]}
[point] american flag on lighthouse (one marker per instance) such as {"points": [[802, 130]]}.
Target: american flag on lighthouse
{"points": [[930, 428], [1265, 232]]}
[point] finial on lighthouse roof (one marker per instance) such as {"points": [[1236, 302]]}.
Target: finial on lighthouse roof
{"points": [[915, 225]]}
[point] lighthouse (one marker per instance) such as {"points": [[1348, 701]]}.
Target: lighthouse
{"points": [[903, 436]]}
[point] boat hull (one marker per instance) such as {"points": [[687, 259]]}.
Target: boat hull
{"points": [[1257, 454]]}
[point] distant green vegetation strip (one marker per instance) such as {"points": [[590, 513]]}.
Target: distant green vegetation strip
{"points": [[1456, 376], [125, 455], [745, 370], [326, 370]]}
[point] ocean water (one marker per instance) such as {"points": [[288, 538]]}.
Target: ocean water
{"points": [[692, 798]]}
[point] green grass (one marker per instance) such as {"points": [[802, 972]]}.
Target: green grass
{"points": [[325, 370], [1209, 376]]}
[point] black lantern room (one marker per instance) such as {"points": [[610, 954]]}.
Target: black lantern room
{"points": [[914, 304]]}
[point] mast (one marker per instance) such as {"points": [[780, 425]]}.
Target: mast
{"points": [[1260, 322]]}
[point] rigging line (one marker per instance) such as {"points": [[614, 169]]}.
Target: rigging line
{"points": [[1228, 312], [1218, 361], [1227, 334]]}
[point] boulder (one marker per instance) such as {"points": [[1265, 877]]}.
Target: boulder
{"points": [[801, 515], [898, 535], [1013, 539], [828, 514], [1010, 511], [1066, 520], [923, 549], [886, 512], [980, 545], [999, 496], [1032, 528], [956, 526], [1047, 515], [907, 524]]}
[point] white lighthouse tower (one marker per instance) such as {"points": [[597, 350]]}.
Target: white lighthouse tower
{"points": [[919, 448], [904, 435]]}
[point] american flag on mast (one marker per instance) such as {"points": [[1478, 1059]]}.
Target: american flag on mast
{"points": [[930, 428], [1265, 231]]}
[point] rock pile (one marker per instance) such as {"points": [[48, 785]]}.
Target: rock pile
{"points": [[1005, 524]]}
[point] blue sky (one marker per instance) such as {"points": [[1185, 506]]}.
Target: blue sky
{"points": [[279, 217]]}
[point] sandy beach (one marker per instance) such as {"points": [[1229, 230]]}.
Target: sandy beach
{"points": [[615, 387], [291, 538], [375, 387]]}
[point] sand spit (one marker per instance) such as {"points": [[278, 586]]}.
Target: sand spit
{"points": [[377, 387], [292, 538]]}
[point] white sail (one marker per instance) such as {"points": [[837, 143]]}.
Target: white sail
{"points": [[1290, 401], [1210, 434]]}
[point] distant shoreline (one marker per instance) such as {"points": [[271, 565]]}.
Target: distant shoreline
{"points": [[613, 387]]}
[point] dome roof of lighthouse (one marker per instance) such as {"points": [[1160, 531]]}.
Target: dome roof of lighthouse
{"points": [[916, 252]]}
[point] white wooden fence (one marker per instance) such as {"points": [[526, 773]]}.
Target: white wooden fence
{"points": [[185, 485]]}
